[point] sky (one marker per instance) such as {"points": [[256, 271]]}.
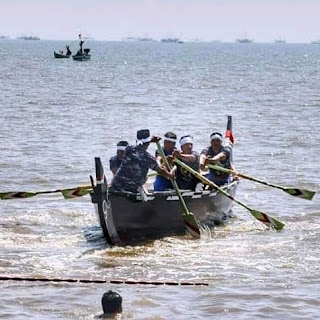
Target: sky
{"points": [[260, 20]]}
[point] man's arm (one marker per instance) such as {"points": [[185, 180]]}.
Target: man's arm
{"points": [[218, 158], [203, 159], [184, 157], [164, 172]]}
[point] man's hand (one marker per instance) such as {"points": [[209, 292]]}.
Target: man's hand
{"points": [[170, 160], [155, 139], [211, 160], [176, 154]]}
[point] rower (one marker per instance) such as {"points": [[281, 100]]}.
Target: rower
{"points": [[218, 155], [135, 164], [115, 161], [111, 305], [185, 179], [169, 143]]}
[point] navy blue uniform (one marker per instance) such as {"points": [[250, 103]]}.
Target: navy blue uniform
{"points": [[219, 177], [185, 179], [134, 169]]}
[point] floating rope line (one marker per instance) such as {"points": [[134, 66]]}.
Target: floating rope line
{"points": [[111, 281]]}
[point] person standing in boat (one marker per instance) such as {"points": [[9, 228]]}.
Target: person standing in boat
{"points": [[115, 161], [135, 164], [185, 179], [169, 143], [218, 155]]}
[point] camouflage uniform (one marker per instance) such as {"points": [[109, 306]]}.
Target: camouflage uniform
{"points": [[133, 170], [219, 177], [115, 163], [185, 179]]}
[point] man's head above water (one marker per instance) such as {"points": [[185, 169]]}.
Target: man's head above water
{"points": [[111, 302]]}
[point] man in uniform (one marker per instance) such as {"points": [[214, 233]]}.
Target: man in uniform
{"points": [[185, 179], [135, 164], [217, 155], [115, 161], [169, 143]]}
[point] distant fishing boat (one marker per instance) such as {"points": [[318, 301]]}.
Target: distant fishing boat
{"points": [[58, 55], [280, 41], [146, 39], [171, 40], [61, 55], [244, 40], [315, 42], [82, 54], [24, 37], [3, 37]]}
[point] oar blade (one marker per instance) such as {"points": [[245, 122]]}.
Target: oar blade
{"points": [[299, 193], [75, 192], [191, 225], [16, 195], [267, 220]]}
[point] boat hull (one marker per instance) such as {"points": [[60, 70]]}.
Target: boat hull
{"points": [[81, 57], [127, 217], [60, 56]]}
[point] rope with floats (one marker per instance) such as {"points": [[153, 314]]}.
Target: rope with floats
{"points": [[111, 281]]}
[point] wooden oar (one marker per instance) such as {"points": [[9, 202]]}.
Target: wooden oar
{"points": [[300, 193], [188, 217], [262, 217], [69, 193]]}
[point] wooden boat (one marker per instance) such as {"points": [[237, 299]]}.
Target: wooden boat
{"points": [[60, 55], [127, 217], [82, 56]]}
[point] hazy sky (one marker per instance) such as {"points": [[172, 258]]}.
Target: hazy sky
{"points": [[261, 20]]}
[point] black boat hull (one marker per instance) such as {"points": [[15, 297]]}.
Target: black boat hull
{"points": [[127, 217]]}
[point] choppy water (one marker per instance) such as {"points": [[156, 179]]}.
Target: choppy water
{"points": [[56, 115]]}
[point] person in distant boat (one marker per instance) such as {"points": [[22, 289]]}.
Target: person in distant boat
{"points": [[169, 143], [115, 161], [80, 51], [185, 179], [111, 305], [68, 51], [135, 164], [218, 155]]}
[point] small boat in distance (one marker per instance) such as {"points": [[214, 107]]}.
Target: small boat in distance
{"points": [[82, 54], [24, 37], [280, 41], [244, 40], [315, 42], [61, 55], [171, 40], [3, 37]]}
